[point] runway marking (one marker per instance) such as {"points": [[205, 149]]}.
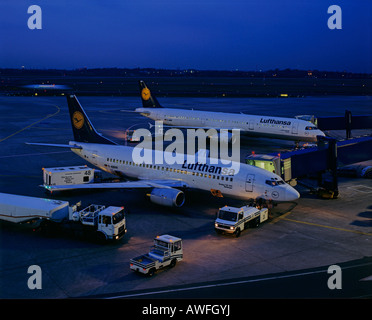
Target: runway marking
{"points": [[283, 216], [32, 154], [361, 188], [232, 282], [18, 176], [328, 227], [32, 124], [369, 278]]}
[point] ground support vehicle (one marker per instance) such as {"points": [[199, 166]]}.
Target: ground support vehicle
{"points": [[167, 250], [234, 220], [67, 175], [50, 215]]}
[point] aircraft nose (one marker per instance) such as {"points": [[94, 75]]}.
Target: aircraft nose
{"points": [[291, 194], [320, 133]]}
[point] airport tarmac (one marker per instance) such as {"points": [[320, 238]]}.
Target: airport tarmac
{"points": [[308, 233]]}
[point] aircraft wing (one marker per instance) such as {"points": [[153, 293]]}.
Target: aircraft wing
{"points": [[130, 111], [70, 146], [140, 184]]}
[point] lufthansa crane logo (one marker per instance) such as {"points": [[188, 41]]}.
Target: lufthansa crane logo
{"points": [[78, 119], [145, 94], [275, 194]]}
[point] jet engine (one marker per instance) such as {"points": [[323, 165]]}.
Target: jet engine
{"points": [[168, 197]]}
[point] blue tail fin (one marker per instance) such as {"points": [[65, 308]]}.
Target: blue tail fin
{"points": [[81, 126], [148, 100]]}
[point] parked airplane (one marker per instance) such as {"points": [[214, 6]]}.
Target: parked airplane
{"points": [[253, 125], [164, 181]]}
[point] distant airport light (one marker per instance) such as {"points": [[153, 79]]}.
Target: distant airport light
{"points": [[46, 86], [284, 94]]}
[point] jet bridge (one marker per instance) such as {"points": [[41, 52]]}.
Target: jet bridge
{"points": [[329, 154], [347, 122], [319, 161]]}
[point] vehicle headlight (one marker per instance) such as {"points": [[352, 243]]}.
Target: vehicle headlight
{"points": [[232, 228], [216, 224]]}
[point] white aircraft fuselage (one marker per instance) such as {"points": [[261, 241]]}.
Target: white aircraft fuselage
{"points": [[253, 125], [246, 182]]}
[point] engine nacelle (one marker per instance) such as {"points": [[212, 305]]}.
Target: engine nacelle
{"points": [[168, 197]]}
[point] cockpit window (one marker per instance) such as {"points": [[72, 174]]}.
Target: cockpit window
{"points": [[271, 183], [310, 128], [274, 182]]}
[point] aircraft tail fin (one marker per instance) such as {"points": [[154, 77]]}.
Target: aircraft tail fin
{"points": [[148, 100], [81, 126]]}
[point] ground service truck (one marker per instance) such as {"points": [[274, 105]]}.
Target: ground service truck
{"points": [[167, 250], [49, 215], [234, 220], [67, 176]]}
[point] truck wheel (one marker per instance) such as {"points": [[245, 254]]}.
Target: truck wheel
{"points": [[100, 237], [237, 232], [151, 272], [173, 263]]}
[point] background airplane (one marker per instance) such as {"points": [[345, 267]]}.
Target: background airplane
{"points": [[253, 125]]}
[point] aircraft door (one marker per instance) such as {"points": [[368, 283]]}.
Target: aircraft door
{"points": [[249, 183], [251, 125], [295, 127]]}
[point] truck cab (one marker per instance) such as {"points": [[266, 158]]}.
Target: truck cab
{"points": [[233, 220], [110, 222]]}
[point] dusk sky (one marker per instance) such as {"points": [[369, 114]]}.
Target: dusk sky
{"points": [[203, 34]]}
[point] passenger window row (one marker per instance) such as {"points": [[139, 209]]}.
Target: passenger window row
{"points": [[206, 119], [155, 167]]}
